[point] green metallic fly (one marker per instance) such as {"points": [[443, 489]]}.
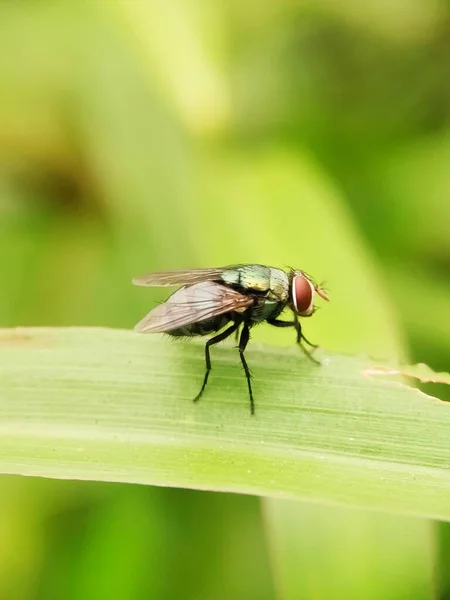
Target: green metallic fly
{"points": [[240, 296]]}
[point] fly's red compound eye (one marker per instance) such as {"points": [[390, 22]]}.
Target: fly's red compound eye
{"points": [[302, 295]]}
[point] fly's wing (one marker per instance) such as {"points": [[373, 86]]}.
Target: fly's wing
{"points": [[183, 277], [193, 304]]}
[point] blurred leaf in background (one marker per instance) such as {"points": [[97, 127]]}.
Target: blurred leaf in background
{"points": [[146, 135]]}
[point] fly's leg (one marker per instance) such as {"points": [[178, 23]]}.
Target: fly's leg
{"points": [[215, 340], [298, 328], [313, 346], [243, 341]]}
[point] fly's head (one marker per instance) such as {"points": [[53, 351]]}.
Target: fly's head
{"points": [[302, 292]]}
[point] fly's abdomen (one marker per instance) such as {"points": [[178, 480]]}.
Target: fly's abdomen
{"points": [[202, 327]]}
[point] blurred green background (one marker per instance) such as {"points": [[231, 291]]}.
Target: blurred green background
{"points": [[143, 135]]}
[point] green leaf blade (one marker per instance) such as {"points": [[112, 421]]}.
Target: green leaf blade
{"points": [[115, 406]]}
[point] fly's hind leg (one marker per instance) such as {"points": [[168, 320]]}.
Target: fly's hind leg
{"points": [[215, 340], [298, 328], [243, 341]]}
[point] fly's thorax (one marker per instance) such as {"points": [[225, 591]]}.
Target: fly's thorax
{"points": [[279, 285], [259, 279], [249, 278], [266, 309], [269, 285]]}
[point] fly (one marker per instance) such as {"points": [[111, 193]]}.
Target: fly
{"points": [[230, 300]]}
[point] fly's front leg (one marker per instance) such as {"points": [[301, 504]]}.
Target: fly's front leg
{"points": [[298, 328], [215, 340]]}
